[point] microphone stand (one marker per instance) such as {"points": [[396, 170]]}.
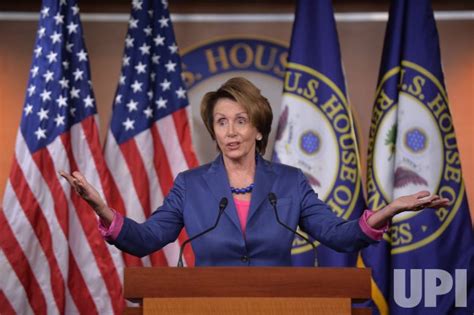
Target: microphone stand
{"points": [[273, 201], [222, 206]]}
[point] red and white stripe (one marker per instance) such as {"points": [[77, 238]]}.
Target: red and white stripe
{"points": [[151, 161], [50, 245]]}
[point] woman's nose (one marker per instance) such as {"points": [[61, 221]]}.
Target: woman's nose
{"points": [[231, 130]]}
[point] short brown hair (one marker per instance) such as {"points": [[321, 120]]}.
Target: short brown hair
{"points": [[245, 93]]}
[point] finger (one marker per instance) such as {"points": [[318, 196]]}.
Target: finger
{"points": [[429, 199], [423, 205], [425, 202], [439, 203], [80, 178], [446, 200], [77, 174], [66, 176], [422, 194], [435, 197], [80, 187]]}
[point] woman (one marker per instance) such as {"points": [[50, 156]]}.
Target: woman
{"points": [[239, 119]]}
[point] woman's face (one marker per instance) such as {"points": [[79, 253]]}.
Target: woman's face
{"points": [[235, 135]]}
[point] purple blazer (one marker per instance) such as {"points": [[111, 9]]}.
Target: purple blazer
{"points": [[193, 202]]}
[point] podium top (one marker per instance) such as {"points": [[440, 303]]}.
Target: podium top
{"points": [[247, 282]]}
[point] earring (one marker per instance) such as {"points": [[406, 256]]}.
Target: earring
{"points": [[259, 137]]}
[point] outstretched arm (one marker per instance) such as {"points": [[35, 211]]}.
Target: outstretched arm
{"points": [[415, 202], [87, 192]]}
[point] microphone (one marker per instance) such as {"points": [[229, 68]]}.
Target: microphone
{"points": [[273, 201], [222, 206]]}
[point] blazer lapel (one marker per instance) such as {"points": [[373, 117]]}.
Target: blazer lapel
{"points": [[218, 183], [264, 178]]}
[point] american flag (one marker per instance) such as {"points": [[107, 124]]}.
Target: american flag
{"points": [[52, 257], [149, 140]]}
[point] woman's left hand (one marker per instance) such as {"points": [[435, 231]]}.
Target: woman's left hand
{"points": [[415, 202], [418, 201]]}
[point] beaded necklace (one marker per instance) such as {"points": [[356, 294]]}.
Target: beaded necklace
{"points": [[244, 190]]}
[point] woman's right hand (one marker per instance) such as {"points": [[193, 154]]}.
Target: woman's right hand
{"points": [[87, 192]]}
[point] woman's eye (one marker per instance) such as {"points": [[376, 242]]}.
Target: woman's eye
{"points": [[221, 122], [242, 120]]}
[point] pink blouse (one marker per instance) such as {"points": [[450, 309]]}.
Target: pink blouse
{"points": [[242, 207]]}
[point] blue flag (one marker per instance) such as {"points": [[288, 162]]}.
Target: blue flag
{"points": [[422, 266], [316, 131]]}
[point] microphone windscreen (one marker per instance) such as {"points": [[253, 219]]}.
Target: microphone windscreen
{"points": [[223, 203], [272, 198]]}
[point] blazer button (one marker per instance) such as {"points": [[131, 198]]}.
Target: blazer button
{"points": [[244, 259]]}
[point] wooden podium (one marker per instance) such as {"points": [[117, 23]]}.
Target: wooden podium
{"points": [[248, 290]]}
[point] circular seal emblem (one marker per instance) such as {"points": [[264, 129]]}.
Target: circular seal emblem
{"points": [[327, 152], [412, 148]]}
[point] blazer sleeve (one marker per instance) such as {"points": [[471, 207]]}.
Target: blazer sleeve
{"points": [[319, 221], [161, 228]]}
